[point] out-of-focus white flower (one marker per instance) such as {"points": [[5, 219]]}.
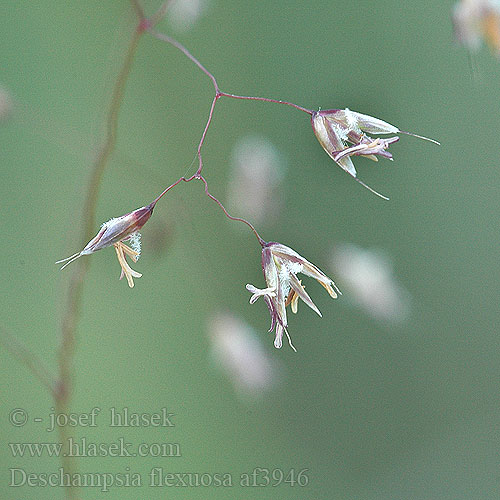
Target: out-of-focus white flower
{"points": [[256, 173], [183, 14], [6, 104], [475, 21], [238, 351], [368, 280]]}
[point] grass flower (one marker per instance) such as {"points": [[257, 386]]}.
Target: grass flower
{"points": [[342, 133], [280, 265], [115, 232]]}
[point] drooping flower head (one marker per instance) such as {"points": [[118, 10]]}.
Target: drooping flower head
{"points": [[281, 265], [115, 232], [343, 133]]}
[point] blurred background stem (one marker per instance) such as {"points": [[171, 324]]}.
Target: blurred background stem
{"points": [[67, 347]]}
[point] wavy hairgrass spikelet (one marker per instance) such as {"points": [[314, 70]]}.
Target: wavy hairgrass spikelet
{"points": [[281, 265], [342, 133], [113, 233]]}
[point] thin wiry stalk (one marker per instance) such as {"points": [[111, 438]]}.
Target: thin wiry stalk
{"points": [[226, 213], [218, 95]]}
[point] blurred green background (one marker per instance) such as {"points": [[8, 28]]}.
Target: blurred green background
{"points": [[373, 411]]}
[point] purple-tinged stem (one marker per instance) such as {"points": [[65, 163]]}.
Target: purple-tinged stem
{"points": [[218, 92], [202, 140], [265, 99], [166, 190], [185, 51], [212, 197]]}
